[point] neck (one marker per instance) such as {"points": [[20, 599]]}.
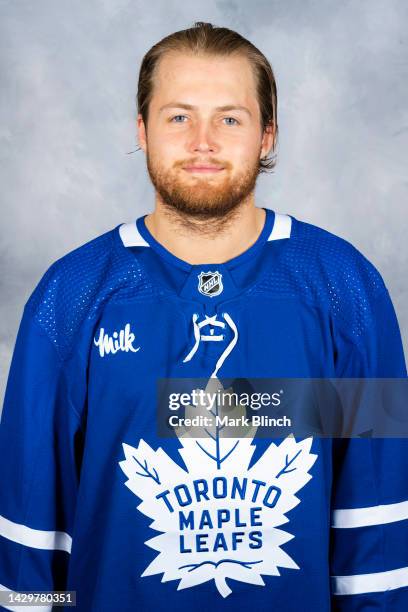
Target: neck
{"points": [[211, 241]]}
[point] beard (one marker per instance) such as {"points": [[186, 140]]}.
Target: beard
{"points": [[202, 196]]}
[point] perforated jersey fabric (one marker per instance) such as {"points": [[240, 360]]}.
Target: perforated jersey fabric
{"points": [[328, 271], [318, 267], [77, 286], [95, 501]]}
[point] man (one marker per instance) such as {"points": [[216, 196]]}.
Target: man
{"points": [[207, 286]]}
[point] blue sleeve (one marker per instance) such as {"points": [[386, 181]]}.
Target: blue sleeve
{"points": [[40, 446], [369, 534]]}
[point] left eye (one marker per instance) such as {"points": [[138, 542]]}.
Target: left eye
{"points": [[232, 119]]}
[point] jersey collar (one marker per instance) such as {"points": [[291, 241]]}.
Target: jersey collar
{"points": [[137, 234]]}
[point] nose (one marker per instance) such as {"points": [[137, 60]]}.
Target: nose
{"points": [[203, 138]]}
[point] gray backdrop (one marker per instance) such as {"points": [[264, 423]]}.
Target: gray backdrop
{"points": [[68, 80]]}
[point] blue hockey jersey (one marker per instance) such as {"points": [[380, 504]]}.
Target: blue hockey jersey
{"points": [[92, 500]]}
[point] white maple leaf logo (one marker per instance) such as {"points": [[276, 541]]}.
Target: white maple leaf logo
{"points": [[218, 518]]}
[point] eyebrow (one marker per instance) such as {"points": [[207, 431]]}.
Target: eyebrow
{"points": [[227, 107]]}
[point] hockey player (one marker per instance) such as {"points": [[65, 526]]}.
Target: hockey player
{"points": [[209, 286]]}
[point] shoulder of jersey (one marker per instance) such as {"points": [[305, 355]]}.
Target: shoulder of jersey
{"points": [[76, 286], [336, 257], [327, 272]]}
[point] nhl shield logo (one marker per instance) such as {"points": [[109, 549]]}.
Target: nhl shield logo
{"points": [[210, 283]]}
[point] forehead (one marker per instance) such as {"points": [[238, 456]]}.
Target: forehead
{"points": [[204, 79]]}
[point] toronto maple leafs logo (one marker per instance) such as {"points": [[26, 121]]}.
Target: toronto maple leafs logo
{"points": [[218, 518]]}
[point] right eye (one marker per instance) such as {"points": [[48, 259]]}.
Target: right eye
{"points": [[175, 117]]}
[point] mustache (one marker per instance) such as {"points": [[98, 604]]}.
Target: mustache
{"points": [[202, 162]]}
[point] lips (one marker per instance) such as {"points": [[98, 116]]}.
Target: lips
{"points": [[203, 168]]}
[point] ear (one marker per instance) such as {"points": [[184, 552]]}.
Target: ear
{"points": [[141, 132], [268, 139]]}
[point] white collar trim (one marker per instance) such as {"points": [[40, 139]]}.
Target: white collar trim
{"points": [[281, 228], [130, 235]]}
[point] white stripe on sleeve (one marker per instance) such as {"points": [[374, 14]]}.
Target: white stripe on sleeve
{"points": [[373, 515], [36, 538], [370, 583]]}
